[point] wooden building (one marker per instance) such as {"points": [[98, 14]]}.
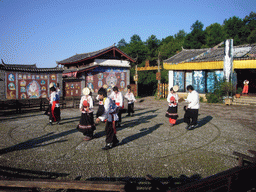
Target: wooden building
{"points": [[186, 68], [27, 81], [106, 67]]}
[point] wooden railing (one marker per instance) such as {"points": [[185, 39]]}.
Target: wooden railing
{"points": [[54, 184], [241, 177]]}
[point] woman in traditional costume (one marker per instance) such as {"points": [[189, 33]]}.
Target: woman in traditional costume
{"points": [[172, 111], [86, 125], [54, 106], [131, 99], [246, 87], [117, 97]]}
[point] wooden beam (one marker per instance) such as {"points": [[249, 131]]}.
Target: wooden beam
{"points": [[53, 184], [148, 68]]}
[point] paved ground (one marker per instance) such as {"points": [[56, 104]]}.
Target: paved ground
{"points": [[147, 144]]}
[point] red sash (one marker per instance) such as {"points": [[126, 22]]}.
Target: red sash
{"points": [[52, 109]]}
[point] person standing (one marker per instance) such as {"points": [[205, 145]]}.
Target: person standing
{"points": [[58, 89], [86, 124], [108, 114], [172, 111], [131, 99], [246, 87], [117, 97], [191, 111], [54, 106]]}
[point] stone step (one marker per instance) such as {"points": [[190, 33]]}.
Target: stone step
{"points": [[244, 101]]}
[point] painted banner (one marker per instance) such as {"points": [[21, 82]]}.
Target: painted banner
{"points": [[107, 77], [28, 85]]}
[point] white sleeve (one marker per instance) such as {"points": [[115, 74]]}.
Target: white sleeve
{"points": [[177, 98], [133, 98], [81, 102], [51, 98], [112, 95], [90, 102], [193, 100], [121, 99]]}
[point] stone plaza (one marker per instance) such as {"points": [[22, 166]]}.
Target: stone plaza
{"points": [[148, 145]]}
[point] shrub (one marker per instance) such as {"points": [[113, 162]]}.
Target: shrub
{"points": [[213, 98]]}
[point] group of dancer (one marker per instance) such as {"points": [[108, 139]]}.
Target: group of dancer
{"points": [[191, 110], [109, 111]]}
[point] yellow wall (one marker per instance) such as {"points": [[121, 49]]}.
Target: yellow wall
{"points": [[211, 65]]}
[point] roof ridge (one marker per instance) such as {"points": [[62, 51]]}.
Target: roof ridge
{"points": [[99, 50]]}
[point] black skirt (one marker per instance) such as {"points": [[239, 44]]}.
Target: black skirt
{"points": [[172, 112], [86, 124]]}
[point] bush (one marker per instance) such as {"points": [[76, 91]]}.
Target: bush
{"points": [[213, 98]]}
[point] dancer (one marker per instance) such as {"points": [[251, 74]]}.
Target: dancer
{"points": [[246, 87], [192, 108], [86, 125], [131, 99], [54, 106], [108, 113], [172, 111], [117, 97]]}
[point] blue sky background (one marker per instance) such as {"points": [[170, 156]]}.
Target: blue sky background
{"points": [[42, 32]]}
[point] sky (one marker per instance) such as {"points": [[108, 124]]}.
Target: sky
{"points": [[42, 32]]}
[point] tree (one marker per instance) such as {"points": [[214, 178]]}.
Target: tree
{"points": [[252, 37], [214, 34], [122, 43], [137, 49], [233, 29], [250, 24], [196, 39], [152, 44]]}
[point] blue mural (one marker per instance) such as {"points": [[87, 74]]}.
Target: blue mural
{"points": [[199, 81], [212, 79], [189, 78], [178, 79], [202, 81]]}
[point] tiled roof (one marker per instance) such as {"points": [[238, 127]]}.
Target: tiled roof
{"points": [[80, 57], [28, 68], [240, 52]]}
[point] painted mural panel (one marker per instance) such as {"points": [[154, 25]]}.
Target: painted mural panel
{"points": [[72, 89], [11, 86], [189, 78], [199, 81], [212, 78], [178, 79], [108, 77], [28, 85]]}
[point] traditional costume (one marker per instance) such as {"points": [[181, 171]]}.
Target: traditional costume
{"points": [[86, 125], [172, 111], [117, 97], [131, 99], [108, 113], [246, 87], [54, 107]]}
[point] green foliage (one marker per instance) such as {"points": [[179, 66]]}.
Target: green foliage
{"points": [[212, 98], [197, 38], [239, 90], [222, 89], [214, 34], [241, 30]]}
